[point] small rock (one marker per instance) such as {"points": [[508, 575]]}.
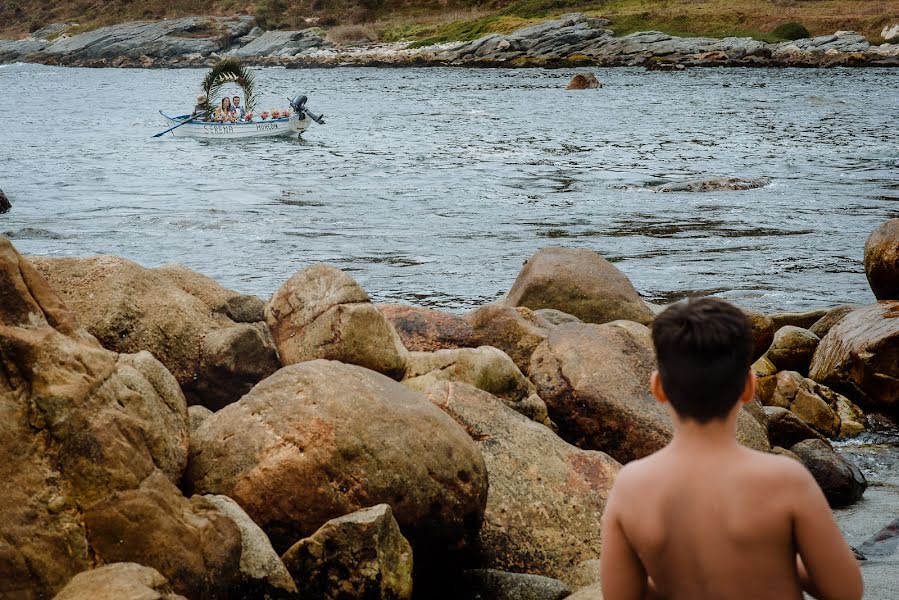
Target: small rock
{"points": [[882, 260], [584, 81], [840, 480], [798, 319], [4, 203], [488, 584], [792, 349], [118, 581], [785, 429], [557, 317], [358, 556], [244, 309], [713, 185], [852, 420]]}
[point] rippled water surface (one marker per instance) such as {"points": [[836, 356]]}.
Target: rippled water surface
{"points": [[432, 186]]}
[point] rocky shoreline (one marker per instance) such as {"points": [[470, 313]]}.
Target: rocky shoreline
{"points": [[168, 436], [572, 40]]}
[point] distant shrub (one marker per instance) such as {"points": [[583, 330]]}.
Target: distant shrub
{"points": [[35, 25], [791, 31], [352, 34]]}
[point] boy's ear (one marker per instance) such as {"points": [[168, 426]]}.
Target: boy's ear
{"points": [[748, 394], [655, 386]]}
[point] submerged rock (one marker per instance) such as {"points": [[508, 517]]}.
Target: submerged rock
{"points": [[358, 556], [321, 312], [119, 581], [882, 260], [584, 81], [713, 185], [322, 439], [579, 282]]}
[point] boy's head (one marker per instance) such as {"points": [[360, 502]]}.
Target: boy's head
{"points": [[704, 350]]}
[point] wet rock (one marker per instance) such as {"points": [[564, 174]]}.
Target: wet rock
{"points": [[713, 185], [426, 330], [86, 432], [584, 81], [785, 429], [762, 331], [262, 574], [883, 543], [546, 497], [595, 382], [803, 320], [172, 312], [840, 480], [556, 317], [322, 439], [793, 348], [831, 318], [882, 260], [360, 555], [486, 368], [321, 312], [860, 357], [119, 581], [4, 203], [515, 331], [579, 282], [490, 584], [283, 43]]}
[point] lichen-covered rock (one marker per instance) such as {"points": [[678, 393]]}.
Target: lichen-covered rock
{"points": [[262, 574], [840, 480], [179, 316], [358, 556], [579, 282], [322, 439], [516, 331], [859, 357], [322, 313], [490, 584], [427, 330], [546, 497], [882, 260], [792, 349], [595, 382], [92, 442], [119, 581]]}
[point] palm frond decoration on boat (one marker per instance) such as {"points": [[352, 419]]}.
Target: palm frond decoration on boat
{"points": [[229, 70]]}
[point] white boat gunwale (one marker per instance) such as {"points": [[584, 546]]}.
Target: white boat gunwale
{"points": [[284, 126]]}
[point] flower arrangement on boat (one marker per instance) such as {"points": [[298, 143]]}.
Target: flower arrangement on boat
{"points": [[264, 115]]}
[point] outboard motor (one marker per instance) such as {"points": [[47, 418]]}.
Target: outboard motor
{"points": [[298, 103]]}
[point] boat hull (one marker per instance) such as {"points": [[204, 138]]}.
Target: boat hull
{"points": [[289, 127]]}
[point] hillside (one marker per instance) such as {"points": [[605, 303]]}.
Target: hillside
{"points": [[441, 20]]}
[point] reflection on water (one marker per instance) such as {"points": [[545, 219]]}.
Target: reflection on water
{"points": [[432, 186]]}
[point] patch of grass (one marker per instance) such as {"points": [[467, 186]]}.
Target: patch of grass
{"points": [[791, 31], [471, 30]]}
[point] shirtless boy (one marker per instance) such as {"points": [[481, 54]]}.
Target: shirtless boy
{"points": [[705, 518]]}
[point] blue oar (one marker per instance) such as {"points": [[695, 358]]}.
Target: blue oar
{"points": [[161, 133]]}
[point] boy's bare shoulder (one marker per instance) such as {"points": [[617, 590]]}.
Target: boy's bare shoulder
{"points": [[781, 468]]}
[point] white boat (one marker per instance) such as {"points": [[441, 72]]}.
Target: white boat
{"points": [[291, 126]]}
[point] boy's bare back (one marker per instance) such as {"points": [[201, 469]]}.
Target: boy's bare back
{"points": [[705, 518]]}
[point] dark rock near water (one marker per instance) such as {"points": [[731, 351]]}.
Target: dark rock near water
{"points": [[489, 584], [584, 81], [881, 260], [786, 429], [840, 480], [4, 203]]}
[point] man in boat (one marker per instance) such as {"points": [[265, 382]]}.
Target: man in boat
{"points": [[200, 108], [237, 109]]}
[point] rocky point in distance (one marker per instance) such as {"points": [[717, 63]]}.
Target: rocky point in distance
{"points": [[167, 437], [569, 41]]}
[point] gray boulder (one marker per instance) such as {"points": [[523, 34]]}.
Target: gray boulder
{"points": [[283, 43]]}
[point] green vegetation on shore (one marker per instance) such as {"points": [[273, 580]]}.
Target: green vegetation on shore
{"points": [[433, 21]]}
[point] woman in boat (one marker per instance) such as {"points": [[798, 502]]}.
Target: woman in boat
{"points": [[223, 113]]}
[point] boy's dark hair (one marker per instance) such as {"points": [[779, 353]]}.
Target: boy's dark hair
{"points": [[704, 349]]}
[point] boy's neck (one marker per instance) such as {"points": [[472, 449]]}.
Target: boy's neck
{"points": [[689, 433]]}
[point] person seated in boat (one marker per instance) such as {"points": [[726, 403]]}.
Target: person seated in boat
{"points": [[237, 109], [223, 113], [200, 107]]}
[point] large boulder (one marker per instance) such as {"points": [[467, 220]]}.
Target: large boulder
{"points": [[515, 331], [490, 584], [92, 442], [322, 439], [358, 556], [546, 497], [840, 480], [321, 312], [882, 260], [595, 382], [859, 357], [186, 320], [119, 581], [579, 282], [793, 348], [427, 330], [262, 574]]}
